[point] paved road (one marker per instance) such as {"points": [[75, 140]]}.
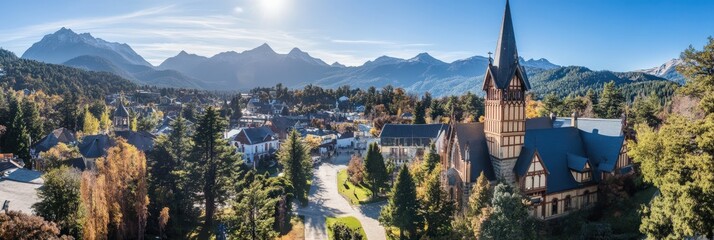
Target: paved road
{"points": [[325, 200]]}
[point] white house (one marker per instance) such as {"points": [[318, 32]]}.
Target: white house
{"points": [[256, 143], [346, 140]]}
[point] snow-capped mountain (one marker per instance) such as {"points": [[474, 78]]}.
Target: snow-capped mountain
{"points": [[667, 70]]}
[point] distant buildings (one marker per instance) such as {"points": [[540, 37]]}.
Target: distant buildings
{"points": [[404, 142]]}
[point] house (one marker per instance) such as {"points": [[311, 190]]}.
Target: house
{"points": [[93, 147], [556, 162], [60, 135], [407, 116], [346, 140], [404, 142], [282, 125], [256, 144], [142, 140]]}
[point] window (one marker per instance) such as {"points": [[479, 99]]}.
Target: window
{"points": [[554, 207], [567, 203], [529, 182]]}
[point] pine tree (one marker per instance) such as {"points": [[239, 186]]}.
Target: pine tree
{"points": [[297, 165], [431, 159], [479, 203], [31, 116], [419, 113], [401, 209], [214, 164], [508, 217], [645, 110], [611, 101], [436, 208], [375, 174], [69, 108], [254, 210], [17, 138]]}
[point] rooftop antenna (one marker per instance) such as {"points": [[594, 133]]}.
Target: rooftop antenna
{"points": [[490, 60]]}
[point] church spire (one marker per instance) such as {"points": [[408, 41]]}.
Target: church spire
{"points": [[505, 64]]}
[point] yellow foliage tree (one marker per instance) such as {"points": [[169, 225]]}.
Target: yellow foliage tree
{"points": [[105, 123], [533, 107], [91, 124], [94, 202], [55, 155]]}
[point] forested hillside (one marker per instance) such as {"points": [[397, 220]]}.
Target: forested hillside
{"points": [[58, 79]]}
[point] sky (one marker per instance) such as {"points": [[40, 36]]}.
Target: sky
{"points": [[600, 34]]}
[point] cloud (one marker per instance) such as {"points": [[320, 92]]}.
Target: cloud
{"points": [[371, 42], [238, 10]]}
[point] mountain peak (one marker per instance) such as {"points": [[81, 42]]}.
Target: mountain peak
{"points": [[425, 58], [337, 64], [295, 51], [183, 52], [263, 48]]}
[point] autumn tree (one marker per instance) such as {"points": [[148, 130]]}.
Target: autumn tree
{"points": [[124, 170], [60, 200], [105, 123], [94, 201], [214, 163], [91, 124], [297, 165], [355, 170], [375, 171], [401, 211], [17, 225]]}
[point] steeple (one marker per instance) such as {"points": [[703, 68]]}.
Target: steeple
{"points": [[505, 64]]}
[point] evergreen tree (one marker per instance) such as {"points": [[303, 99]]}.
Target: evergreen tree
{"points": [[60, 200], [169, 182], [297, 165], [401, 209], [698, 69], [478, 207], [254, 210], [69, 109], [436, 208], [611, 101], [32, 120], [508, 217], [435, 109], [431, 159], [17, 138], [419, 113], [375, 171], [552, 104], [644, 110], [214, 164]]}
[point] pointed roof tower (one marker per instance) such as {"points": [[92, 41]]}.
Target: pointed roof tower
{"points": [[505, 64]]}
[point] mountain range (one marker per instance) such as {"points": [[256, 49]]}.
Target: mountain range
{"points": [[667, 70], [263, 67]]}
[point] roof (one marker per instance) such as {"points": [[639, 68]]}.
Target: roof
{"points": [[348, 134], [607, 127], [412, 130], [566, 148], [539, 123], [121, 111], [94, 146], [7, 165], [472, 137], [255, 135], [60, 135], [77, 163], [142, 140], [505, 64]]}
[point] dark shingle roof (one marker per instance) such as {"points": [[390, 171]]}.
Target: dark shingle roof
{"points": [[94, 146], [539, 123], [576, 162], [60, 135], [121, 111], [412, 130], [505, 64], [142, 140], [472, 135], [603, 151], [255, 135]]}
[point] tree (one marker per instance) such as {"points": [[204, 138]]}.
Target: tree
{"points": [[508, 217], [163, 220], [533, 107], [69, 108], [17, 138], [551, 104], [436, 208], [214, 163], [31, 116], [105, 123], [401, 209], [169, 181], [94, 201], [431, 159], [91, 124], [375, 171], [297, 165], [611, 101], [17, 225], [60, 200], [124, 170], [698, 68], [480, 196], [254, 210], [419, 113], [341, 231], [645, 110], [355, 170]]}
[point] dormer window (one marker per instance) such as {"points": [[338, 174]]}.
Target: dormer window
{"points": [[535, 179], [579, 168]]}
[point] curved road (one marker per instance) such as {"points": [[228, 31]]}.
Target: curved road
{"points": [[325, 200]]}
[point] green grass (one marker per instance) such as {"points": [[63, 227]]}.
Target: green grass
{"points": [[356, 194], [350, 222]]}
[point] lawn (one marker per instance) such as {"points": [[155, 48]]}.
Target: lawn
{"points": [[350, 222], [356, 194]]}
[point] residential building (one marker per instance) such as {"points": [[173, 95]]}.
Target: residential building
{"points": [[256, 144], [404, 142]]}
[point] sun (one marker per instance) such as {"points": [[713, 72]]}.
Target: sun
{"points": [[274, 9]]}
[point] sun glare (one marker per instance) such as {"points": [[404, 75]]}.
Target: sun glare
{"points": [[274, 9]]}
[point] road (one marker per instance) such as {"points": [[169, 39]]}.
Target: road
{"points": [[325, 200]]}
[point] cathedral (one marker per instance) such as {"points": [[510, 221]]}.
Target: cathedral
{"points": [[556, 162]]}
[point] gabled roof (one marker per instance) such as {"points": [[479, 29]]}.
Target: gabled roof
{"points": [[472, 137], [577, 163], [412, 130], [142, 140], [505, 64], [121, 111], [539, 123], [255, 135], [60, 135], [603, 151], [94, 146]]}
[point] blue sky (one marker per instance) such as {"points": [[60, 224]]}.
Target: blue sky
{"points": [[599, 34]]}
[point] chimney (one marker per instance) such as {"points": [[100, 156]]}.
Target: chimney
{"points": [[574, 120]]}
